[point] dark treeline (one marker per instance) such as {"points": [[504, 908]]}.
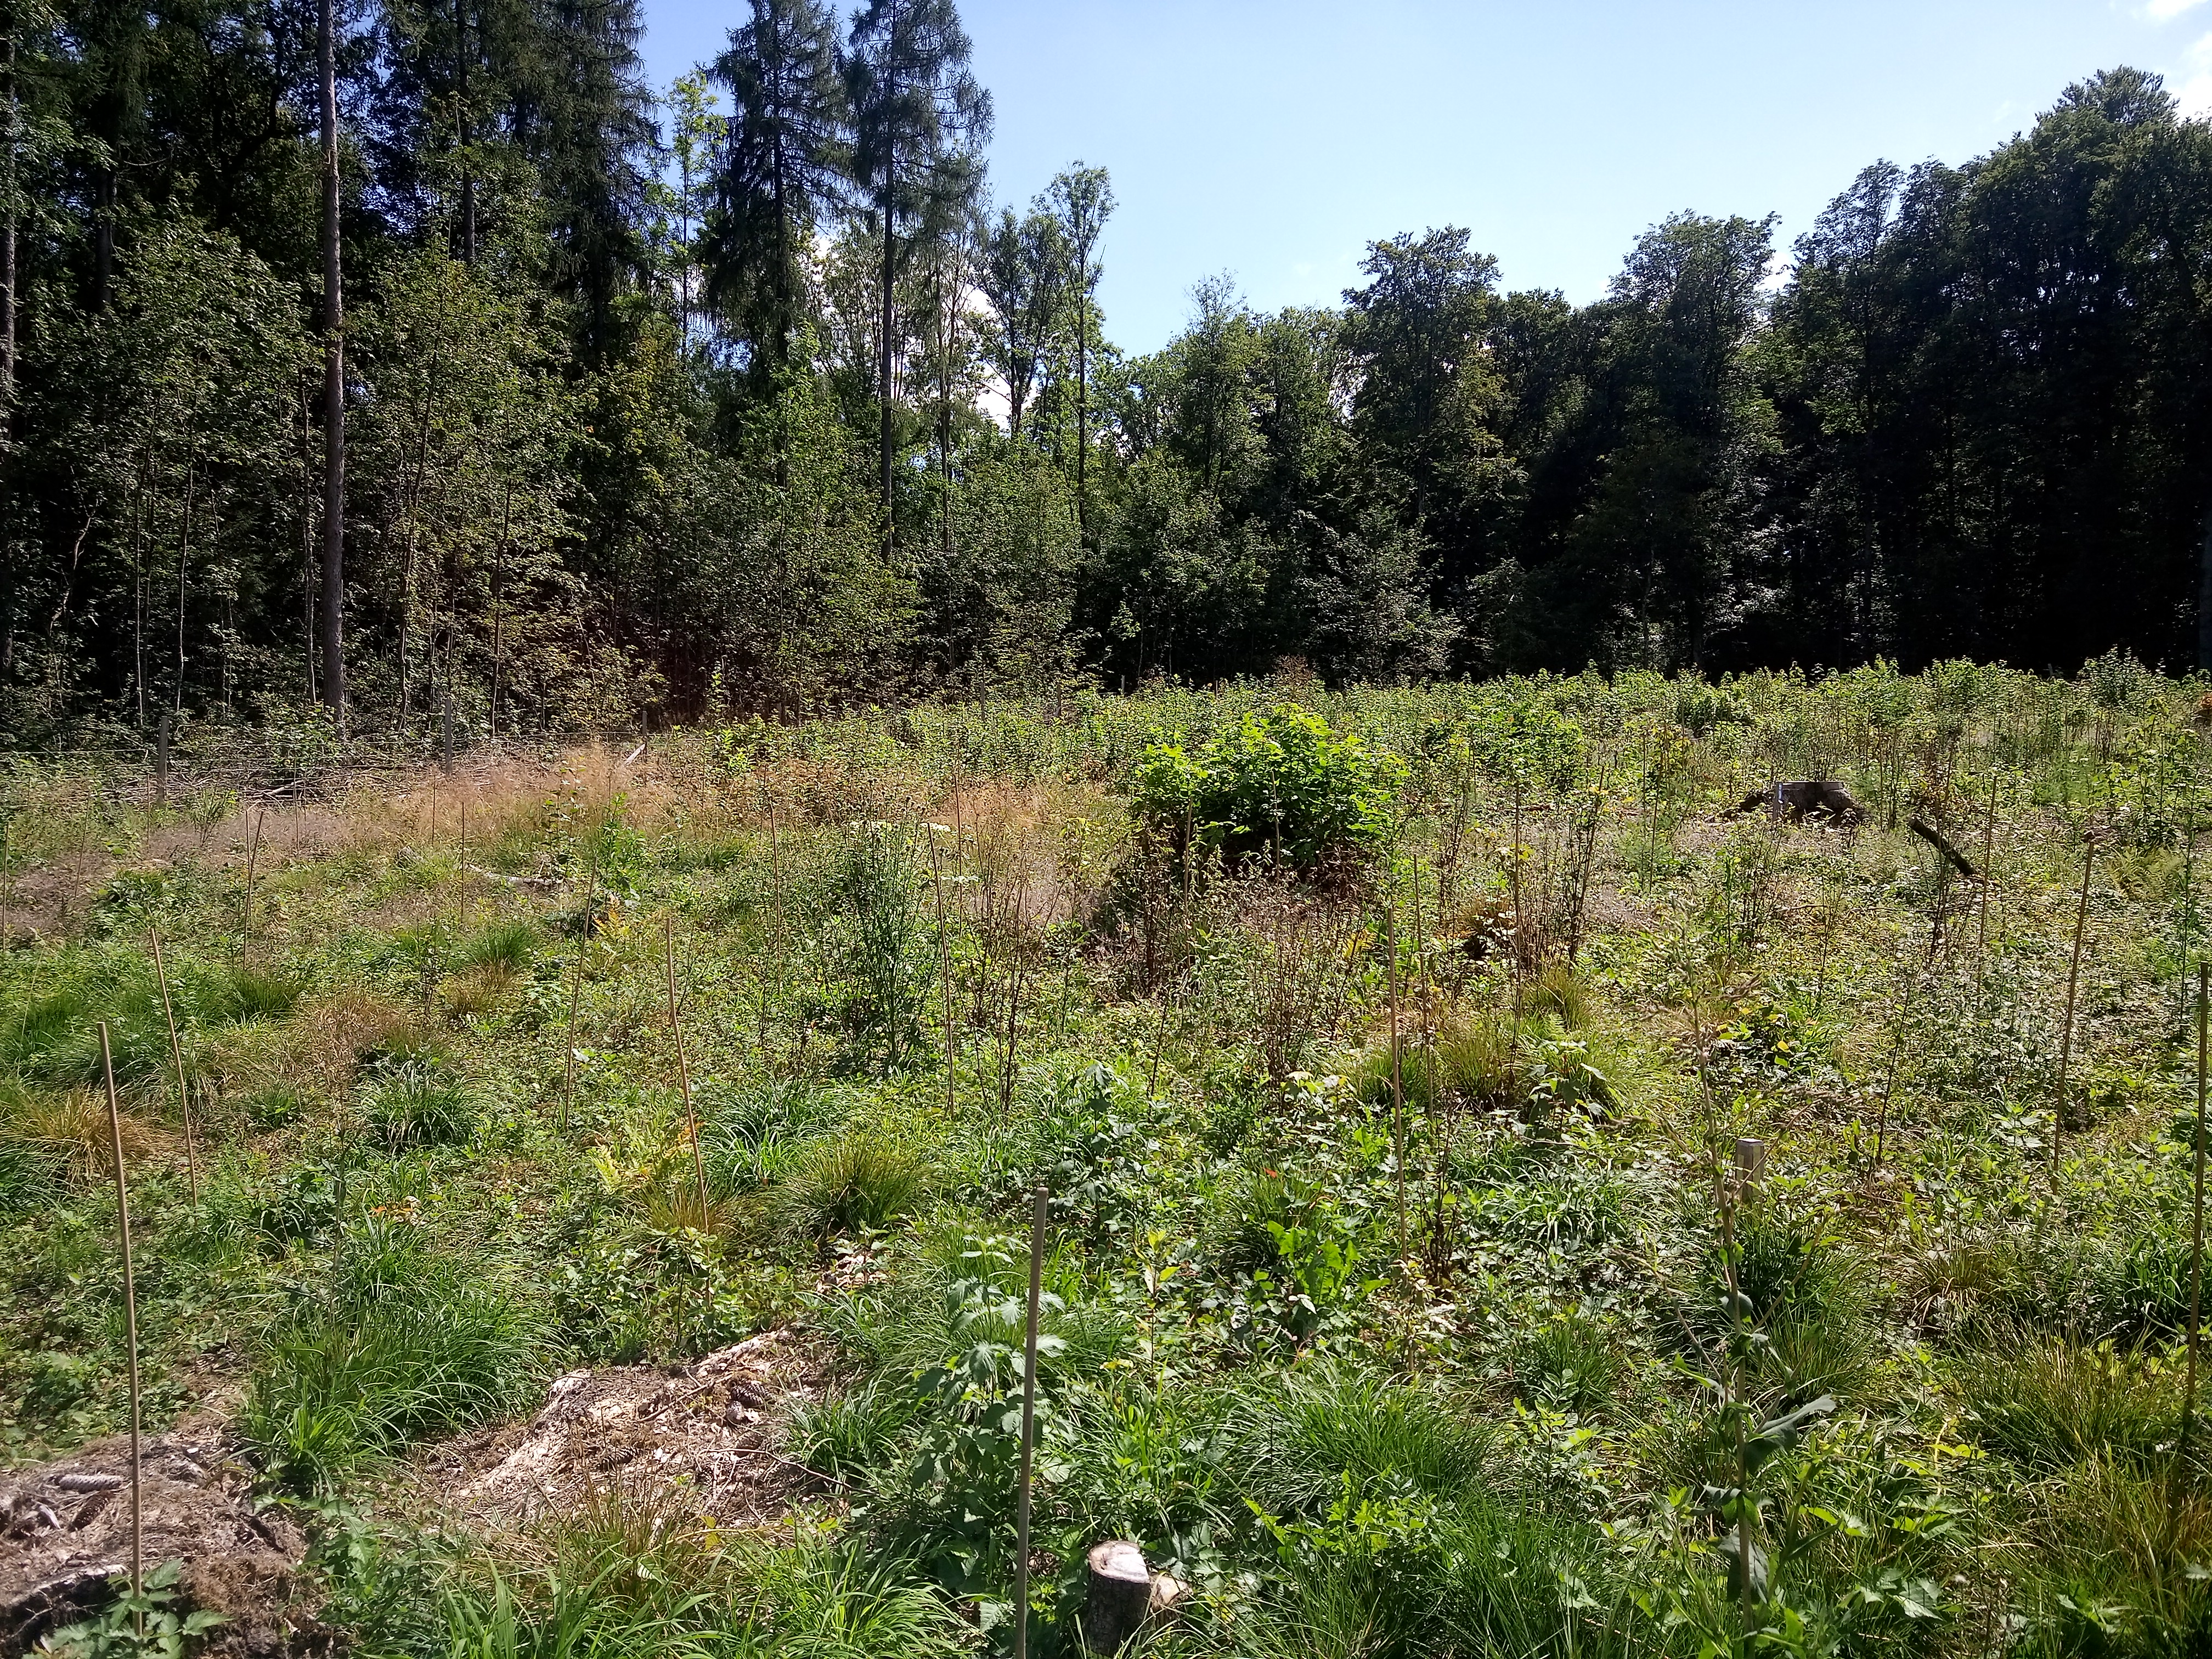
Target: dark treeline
{"points": [[748, 395]]}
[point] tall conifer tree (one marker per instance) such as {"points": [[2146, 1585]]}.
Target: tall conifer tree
{"points": [[781, 170], [921, 119]]}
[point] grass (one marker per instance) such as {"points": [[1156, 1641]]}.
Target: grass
{"points": [[1457, 1377], [401, 1344]]}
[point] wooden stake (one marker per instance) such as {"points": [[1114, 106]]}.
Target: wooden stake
{"points": [[253, 853], [177, 1059], [1029, 1435], [2196, 1228], [944, 965], [2066, 1031], [130, 1309], [683, 1065]]}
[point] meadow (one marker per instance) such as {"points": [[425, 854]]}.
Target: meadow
{"points": [[1503, 1196]]}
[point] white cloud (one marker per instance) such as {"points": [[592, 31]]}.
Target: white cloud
{"points": [[2195, 93], [2165, 11]]}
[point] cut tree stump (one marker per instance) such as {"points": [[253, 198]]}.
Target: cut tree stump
{"points": [[1799, 800], [1119, 1595]]}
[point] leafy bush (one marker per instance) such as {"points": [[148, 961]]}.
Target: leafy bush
{"points": [[1281, 783]]}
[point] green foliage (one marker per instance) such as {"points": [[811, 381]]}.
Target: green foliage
{"points": [[400, 1343], [421, 1103], [860, 1178], [1279, 784], [140, 1624]]}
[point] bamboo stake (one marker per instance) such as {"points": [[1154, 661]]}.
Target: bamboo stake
{"points": [[576, 983], [1989, 853], [1029, 1437], [2196, 1228], [130, 1312], [253, 854], [177, 1059], [1397, 1080], [682, 1064], [944, 967], [2066, 1031]]}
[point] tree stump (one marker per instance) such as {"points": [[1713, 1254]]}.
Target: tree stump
{"points": [[1800, 800], [1118, 1597]]}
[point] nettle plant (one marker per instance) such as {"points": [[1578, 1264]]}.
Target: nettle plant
{"points": [[1280, 784]]}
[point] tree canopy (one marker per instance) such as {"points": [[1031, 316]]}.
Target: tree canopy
{"points": [[750, 397]]}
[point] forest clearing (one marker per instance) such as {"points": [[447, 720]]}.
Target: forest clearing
{"points": [[1513, 1182]]}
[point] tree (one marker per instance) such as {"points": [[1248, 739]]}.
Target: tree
{"points": [[582, 114], [164, 419], [919, 120], [333, 665], [693, 128], [781, 172], [1424, 392], [1083, 199], [1023, 275]]}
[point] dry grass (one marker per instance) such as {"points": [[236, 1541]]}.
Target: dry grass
{"points": [[72, 1125]]}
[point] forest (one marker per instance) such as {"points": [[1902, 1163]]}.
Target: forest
{"points": [[405, 369]]}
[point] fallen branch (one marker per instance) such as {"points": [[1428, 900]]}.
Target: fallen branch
{"points": [[513, 881], [1936, 838]]}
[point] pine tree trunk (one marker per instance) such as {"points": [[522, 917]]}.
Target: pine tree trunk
{"points": [[2204, 596], [8, 113], [883, 366], [334, 675], [468, 175]]}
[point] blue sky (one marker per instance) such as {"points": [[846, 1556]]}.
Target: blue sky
{"points": [[1274, 141]]}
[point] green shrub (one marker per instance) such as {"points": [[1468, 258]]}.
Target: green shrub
{"points": [[1279, 783]]}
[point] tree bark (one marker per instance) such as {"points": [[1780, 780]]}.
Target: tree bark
{"points": [[334, 675], [184, 565], [1082, 396], [306, 540]]}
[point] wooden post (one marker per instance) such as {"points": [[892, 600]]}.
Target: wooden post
{"points": [[1028, 1436], [130, 1308], [177, 1060]]}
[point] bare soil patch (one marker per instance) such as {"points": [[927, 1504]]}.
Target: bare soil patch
{"points": [[707, 1432], [65, 1536]]}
